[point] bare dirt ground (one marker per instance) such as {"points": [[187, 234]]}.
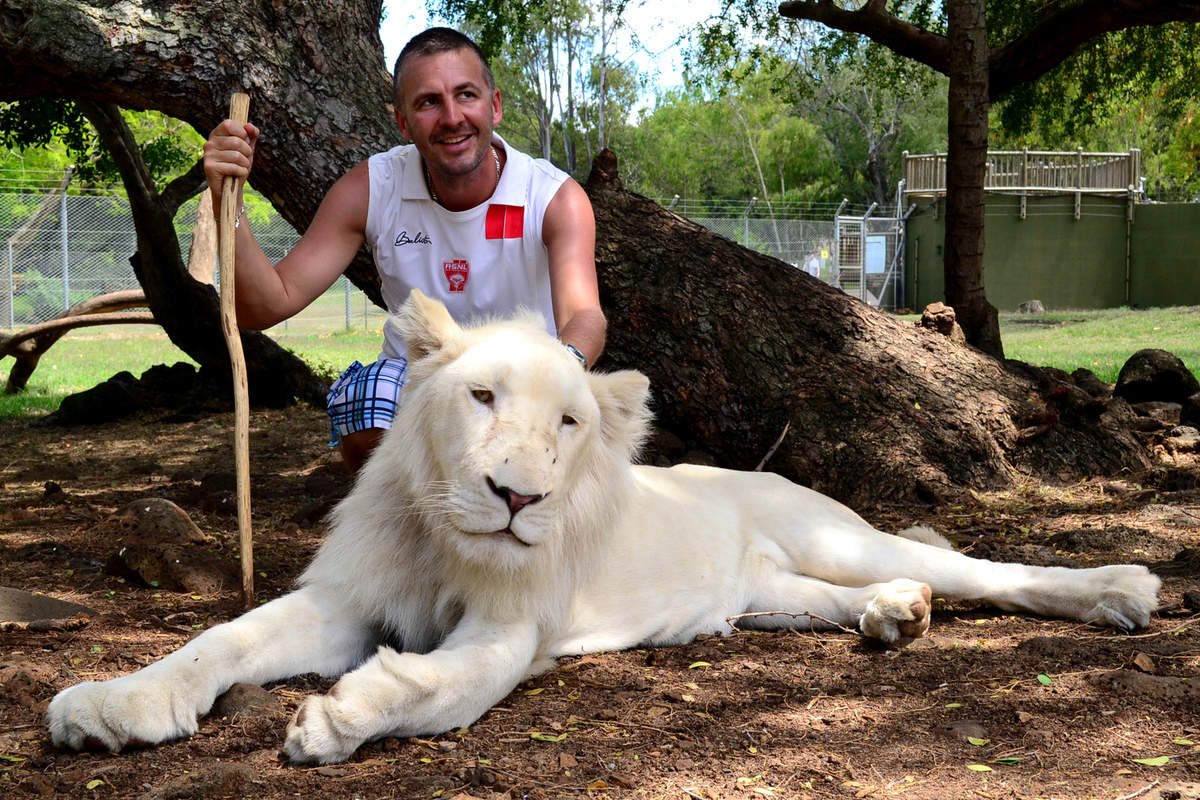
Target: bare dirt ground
{"points": [[990, 705]]}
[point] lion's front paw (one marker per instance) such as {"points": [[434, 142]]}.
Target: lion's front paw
{"points": [[133, 710], [1126, 596], [313, 737], [900, 610]]}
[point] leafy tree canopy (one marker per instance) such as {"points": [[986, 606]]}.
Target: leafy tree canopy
{"points": [[168, 146]]}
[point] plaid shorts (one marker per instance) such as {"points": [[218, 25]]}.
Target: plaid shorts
{"points": [[365, 397]]}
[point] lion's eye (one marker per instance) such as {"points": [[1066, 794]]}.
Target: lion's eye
{"points": [[569, 420], [484, 396]]}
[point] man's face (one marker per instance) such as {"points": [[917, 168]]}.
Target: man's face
{"points": [[447, 109]]}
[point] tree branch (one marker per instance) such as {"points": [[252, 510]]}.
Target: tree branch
{"points": [[119, 140], [873, 21], [1071, 26], [184, 188], [61, 325]]}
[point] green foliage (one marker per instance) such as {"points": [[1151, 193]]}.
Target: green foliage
{"points": [[1119, 69], [686, 146], [56, 131], [700, 147], [493, 23], [1129, 89], [41, 121]]}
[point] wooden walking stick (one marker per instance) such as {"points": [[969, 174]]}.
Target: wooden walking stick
{"points": [[239, 111]]}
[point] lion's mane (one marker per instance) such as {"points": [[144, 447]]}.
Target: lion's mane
{"points": [[387, 551]]}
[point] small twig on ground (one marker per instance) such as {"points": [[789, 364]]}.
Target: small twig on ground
{"points": [[1139, 792], [732, 621], [774, 447], [1129, 636]]}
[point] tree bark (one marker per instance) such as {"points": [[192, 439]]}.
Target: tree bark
{"points": [[966, 169], [737, 345]]}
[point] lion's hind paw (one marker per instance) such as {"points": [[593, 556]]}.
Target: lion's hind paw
{"points": [[899, 611], [1128, 599]]}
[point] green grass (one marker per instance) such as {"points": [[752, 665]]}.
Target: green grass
{"points": [[81, 360], [88, 356], [1099, 340]]}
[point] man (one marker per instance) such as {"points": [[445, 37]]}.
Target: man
{"points": [[456, 213]]}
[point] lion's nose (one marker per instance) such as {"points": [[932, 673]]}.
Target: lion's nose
{"points": [[516, 501]]}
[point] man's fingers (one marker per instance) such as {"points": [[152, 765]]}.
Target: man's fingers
{"points": [[229, 153], [233, 144], [231, 136], [230, 128]]}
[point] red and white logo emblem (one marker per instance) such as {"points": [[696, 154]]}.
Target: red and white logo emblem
{"points": [[457, 272]]}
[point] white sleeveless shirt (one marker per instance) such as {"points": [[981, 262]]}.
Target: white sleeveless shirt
{"points": [[485, 261]]}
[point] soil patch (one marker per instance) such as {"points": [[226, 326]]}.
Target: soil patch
{"points": [[991, 704]]}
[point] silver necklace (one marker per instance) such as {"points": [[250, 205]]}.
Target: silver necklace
{"points": [[429, 179]]}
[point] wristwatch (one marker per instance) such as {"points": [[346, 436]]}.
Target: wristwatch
{"points": [[573, 350]]}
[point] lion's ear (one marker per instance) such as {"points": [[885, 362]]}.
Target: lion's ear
{"points": [[625, 416], [426, 325]]}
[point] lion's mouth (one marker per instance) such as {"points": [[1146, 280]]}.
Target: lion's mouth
{"points": [[510, 533]]}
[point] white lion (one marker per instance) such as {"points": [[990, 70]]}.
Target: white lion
{"points": [[501, 524]]}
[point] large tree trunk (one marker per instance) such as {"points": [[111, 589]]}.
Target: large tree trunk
{"points": [[966, 166], [737, 345]]}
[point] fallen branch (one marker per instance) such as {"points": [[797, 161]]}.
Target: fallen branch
{"points": [[1139, 792], [28, 346], [61, 325], [732, 620]]}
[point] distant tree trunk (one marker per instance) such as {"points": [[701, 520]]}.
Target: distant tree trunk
{"points": [[966, 167], [736, 344]]}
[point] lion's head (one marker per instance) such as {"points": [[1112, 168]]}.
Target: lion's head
{"points": [[513, 456]]}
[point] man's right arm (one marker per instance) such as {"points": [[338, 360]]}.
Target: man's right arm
{"points": [[268, 294]]}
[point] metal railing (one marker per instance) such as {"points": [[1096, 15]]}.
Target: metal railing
{"points": [[1034, 171]]}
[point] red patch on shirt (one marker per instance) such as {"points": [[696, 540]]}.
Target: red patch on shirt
{"points": [[504, 222], [457, 273]]}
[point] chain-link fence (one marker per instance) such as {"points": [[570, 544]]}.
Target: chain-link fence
{"points": [[800, 234], [61, 248]]}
